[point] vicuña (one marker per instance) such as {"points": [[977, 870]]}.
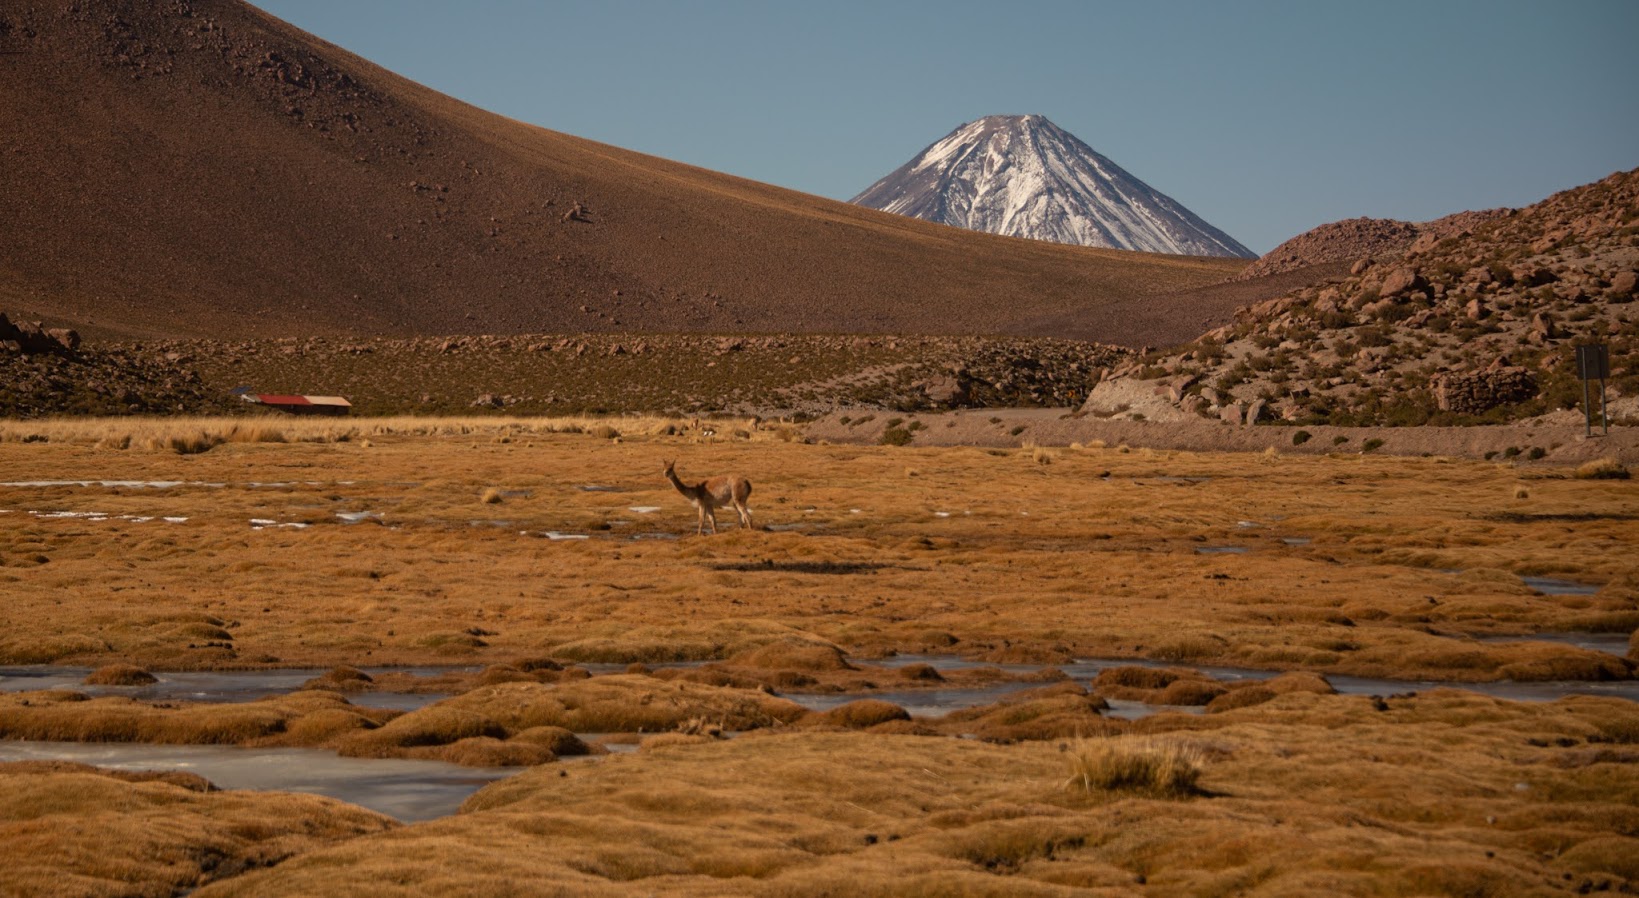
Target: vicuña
{"points": [[709, 495]]}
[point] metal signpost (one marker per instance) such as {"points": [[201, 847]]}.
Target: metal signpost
{"points": [[1594, 363]]}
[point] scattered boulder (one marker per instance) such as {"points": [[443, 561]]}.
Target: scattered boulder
{"points": [[945, 390], [1478, 392], [1623, 285], [1401, 281]]}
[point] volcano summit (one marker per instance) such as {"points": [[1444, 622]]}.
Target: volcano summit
{"points": [[1023, 176]]}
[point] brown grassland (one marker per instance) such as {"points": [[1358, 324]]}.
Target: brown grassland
{"points": [[1038, 555]]}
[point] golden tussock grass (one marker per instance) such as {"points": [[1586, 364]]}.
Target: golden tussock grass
{"points": [[856, 715], [1601, 469], [1441, 793], [86, 832], [863, 562], [120, 675], [298, 719], [1164, 768]]}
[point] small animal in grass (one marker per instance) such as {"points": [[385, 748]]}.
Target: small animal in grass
{"points": [[709, 495]]}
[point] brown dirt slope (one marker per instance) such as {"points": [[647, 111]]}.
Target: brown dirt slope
{"points": [[202, 169]]}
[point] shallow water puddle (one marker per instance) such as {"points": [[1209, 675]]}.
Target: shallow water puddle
{"points": [[406, 790], [99, 516], [1220, 550], [1550, 586], [1612, 643], [218, 686], [1088, 669], [112, 484], [357, 517], [267, 524]]}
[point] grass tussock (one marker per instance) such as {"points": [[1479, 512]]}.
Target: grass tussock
{"points": [[1601, 469], [80, 831], [68, 716], [857, 715], [1161, 768], [120, 675]]}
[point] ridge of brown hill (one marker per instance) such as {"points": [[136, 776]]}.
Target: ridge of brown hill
{"points": [[203, 169], [1476, 321], [1353, 239]]}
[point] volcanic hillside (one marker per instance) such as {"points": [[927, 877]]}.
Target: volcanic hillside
{"points": [[1474, 318], [203, 169]]}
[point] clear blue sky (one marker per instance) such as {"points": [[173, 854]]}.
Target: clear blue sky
{"points": [[1265, 117]]}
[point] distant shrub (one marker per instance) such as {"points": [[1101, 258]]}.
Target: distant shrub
{"points": [[897, 436], [1016, 430], [1535, 453], [1602, 469], [1511, 452], [1301, 437], [490, 496], [1371, 445], [605, 432], [1339, 440]]}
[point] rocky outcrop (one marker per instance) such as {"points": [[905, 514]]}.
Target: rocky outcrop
{"points": [[1415, 336], [33, 338], [1478, 392]]}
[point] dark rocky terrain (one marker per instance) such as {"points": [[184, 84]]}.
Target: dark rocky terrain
{"points": [[786, 375]]}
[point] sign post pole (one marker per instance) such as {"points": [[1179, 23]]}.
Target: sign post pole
{"points": [[1593, 363]]}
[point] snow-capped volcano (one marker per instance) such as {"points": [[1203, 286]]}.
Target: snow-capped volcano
{"points": [[1023, 176]]}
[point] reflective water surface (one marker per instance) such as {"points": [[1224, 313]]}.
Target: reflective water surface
{"points": [[402, 789]]}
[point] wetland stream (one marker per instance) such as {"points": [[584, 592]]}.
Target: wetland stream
{"points": [[413, 790]]}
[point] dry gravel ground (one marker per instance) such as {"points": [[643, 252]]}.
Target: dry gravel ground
{"points": [[1562, 443]]}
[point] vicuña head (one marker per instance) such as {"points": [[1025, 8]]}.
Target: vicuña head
{"points": [[709, 495]]}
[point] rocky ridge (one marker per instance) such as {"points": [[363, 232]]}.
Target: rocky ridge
{"points": [[1353, 239], [1474, 321]]}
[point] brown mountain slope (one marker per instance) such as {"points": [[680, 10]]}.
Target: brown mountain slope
{"points": [[202, 169]]}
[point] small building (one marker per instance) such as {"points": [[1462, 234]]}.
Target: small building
{"points": [[300, 404]]}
